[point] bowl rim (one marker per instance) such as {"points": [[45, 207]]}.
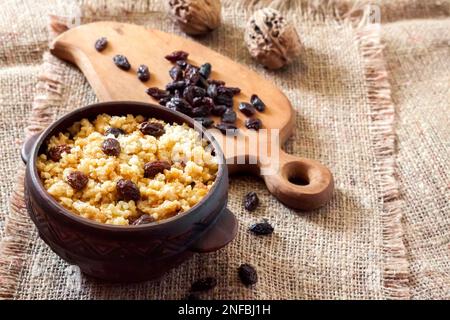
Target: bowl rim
{"points": [[59, 209]]}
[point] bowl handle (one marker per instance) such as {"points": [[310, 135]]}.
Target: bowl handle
{"points": [[219, 235], [28, 146]]}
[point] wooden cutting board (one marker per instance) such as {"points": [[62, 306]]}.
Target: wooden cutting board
{"points": [[297, 182]]}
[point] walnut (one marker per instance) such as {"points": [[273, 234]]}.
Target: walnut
{"points": [[196, 17], [271, 39]]}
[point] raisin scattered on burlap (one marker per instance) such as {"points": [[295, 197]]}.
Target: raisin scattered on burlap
{"points": [[247, 274], [204, 284], [257, 103], [143, 73], [176, 56], [111, 147], [122, 62], [101, 44], [151, 169], [251, 201], [253, 123], [193, 296], [114, 131], [155, 129], [54, 153], [262, 228], [127, 190], [144, 219], [77, 180]]}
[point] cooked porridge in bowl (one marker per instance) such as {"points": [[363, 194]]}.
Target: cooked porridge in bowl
{"points": [[126, 170]]}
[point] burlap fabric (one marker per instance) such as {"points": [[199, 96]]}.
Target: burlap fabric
{"points": [[385, 232]]}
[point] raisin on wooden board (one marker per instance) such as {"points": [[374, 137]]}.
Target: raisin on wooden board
{"points": [[143, 73], [155, 129], [247, 109], [54, 153], [227, 128], [253, 123], [229, 116], [127, 190], [263, 228], [257, 103], [101, 44], [157, 93], [206, 122], [77, 180], [204, 284], [151, 169], [122, 62], [247, 274], [111, 147], [176, 56]]}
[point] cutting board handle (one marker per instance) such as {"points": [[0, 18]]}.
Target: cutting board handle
{"points": [[300, 183]]}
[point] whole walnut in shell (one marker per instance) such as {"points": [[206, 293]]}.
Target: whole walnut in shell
{"points": [[196, 17], [271, 39]]}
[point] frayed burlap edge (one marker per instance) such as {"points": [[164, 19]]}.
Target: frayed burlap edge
{"points": [[396, 268], [13, 248]]}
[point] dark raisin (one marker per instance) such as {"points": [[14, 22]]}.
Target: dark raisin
{"points": [[192, 74], [77, 180], [114, 131], [157, 93], [206, 122], [204, 284], [257, 103], [182, 64], [262, 228], [253, 123], [163, 101], [155, 129], [229, 116], [127, 190], [227, 128], [192, 92], [176, 56], [176, 73], [144, 219], [54, 153], [111, 147], [143, 73], [205, 70], [151, 169], [225, 99], [200, 112], [205, 102], [216, 82], [247, 274], [232, 91], [122, 62], [219, 110], [251, 201], [101, 44], [202, 83], [176, 85], [247, 109], [180, 105], [212, 90]]}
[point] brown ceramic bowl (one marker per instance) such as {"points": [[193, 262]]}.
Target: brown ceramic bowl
{"points": [[127, 253]]}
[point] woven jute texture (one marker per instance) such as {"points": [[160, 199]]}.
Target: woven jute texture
{"points": [[385, 232]]}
